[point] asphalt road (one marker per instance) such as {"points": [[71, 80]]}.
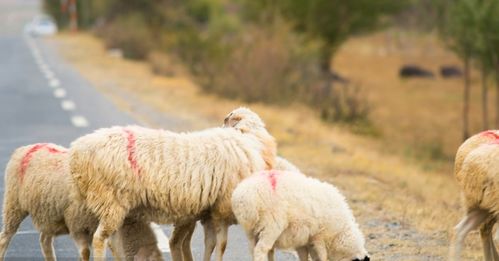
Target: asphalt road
{"points": [[44, 99]]}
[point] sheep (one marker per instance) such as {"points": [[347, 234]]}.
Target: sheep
{"points": [[38, 183], [286, 210], [176, 178], [477, 176], [470, 144], [135, 240], [209, 230]]}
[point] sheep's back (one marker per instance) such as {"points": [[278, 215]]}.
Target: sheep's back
{"points": [[183, 174], [306, 205], [469, 145], [41, 183], [480, 178]]}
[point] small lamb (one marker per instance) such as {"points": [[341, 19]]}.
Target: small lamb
{"points": [[288, 210]]}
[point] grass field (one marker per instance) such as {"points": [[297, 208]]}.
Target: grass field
{"points": [[406, 202], [419, 118]]}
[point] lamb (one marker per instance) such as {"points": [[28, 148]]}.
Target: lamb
{"points": [[209, 230], [37, 183], [289, 210], [478, 178], [173, 177]]}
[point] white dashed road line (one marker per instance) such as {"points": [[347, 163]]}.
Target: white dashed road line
{"points": [[54, 83], [68, 105], [60, 93], [49, 74], [161, 237], [27, 232], [79, 121]]}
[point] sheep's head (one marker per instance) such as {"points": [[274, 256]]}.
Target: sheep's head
{"points": [[244, 120], [348, 245]]}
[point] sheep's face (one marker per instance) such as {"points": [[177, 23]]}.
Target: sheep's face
{"points": [[348, 246], [243, 119]]}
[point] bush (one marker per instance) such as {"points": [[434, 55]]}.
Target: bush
{"points": [[234, 49], [129, 33], [342, 102]]}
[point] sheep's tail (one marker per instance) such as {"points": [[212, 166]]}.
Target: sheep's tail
{"points": [[12, 212], [13, 176]]}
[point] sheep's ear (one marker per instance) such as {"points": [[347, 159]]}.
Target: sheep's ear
{"points": [[233, 121], [226, 120]]}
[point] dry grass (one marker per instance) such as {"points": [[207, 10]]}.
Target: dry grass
{"points": [[417, 114], [380, 185]]}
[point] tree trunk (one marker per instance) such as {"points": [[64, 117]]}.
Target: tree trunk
{"points": [[497, 97], [466, 97], [73, 16], [485, 107]]}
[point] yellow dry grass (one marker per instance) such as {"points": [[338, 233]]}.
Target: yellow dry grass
{"points": [[379, 184], [414, 115]]}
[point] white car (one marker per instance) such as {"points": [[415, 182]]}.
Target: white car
{"points": [[42, 25]]}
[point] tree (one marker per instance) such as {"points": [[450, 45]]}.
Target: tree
{"points": [[334, 21], [461, 30], [493, 39], [486, 13]]}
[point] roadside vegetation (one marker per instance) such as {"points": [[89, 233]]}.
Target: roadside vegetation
{"points": [[288, 52], [255, 51]]}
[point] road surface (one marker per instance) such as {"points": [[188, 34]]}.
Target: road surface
{"points": [[43, 99]]}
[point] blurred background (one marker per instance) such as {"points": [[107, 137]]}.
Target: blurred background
{"points": [[420, 74], [372, 96]]}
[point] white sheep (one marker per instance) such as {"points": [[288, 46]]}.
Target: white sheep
{"points": [[478, 177], [174, 177], [38, 183], [470, 144], [209, 230], [287, 210]]}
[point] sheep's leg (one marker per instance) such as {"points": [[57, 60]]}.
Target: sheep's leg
{"points": [[221, 230], [178, 235], [210, 239], [46, 242], [112, 243], [270, 255], [83, 243], [109, 223], [319, 251], [265, 243], [186, 242], [251, 242], [470, 222], [489, 249], [13, 217], [302, 253]]}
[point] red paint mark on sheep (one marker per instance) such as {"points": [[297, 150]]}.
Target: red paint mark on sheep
{"points": [[132, 157], [29, 155], [490, 134], [272, 177]]}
